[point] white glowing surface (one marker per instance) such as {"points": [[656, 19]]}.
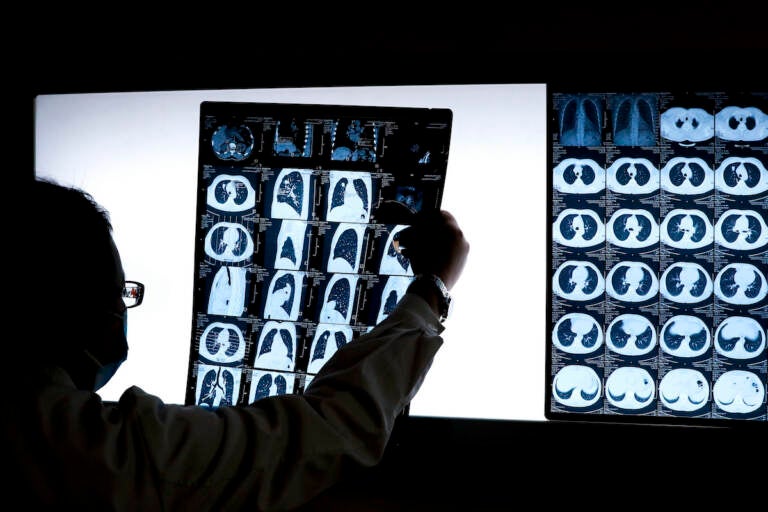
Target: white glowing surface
{"points": [[153, 137], [630, 387], [735, 333], [633, 326], [684, 223], [579, 167], [227, 295], [687, 187], [738, 391], [680, 124], [631, 218], [684, 389], [576, 386], [223, 343], [741, 227], [745, 282], [685, 326], [231, 188], [577, 224]]}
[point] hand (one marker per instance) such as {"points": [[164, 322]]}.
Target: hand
{"points": [[435, 244]]}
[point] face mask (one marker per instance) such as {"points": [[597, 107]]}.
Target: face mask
{"points": [[105, 372]]}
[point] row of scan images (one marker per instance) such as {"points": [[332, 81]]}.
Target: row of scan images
{"points": [[683, 390], [303, 246], [683, 282], [298, 296], [735, 175], [739, 338], [304, 194], [681, 228], [279, 362], [635, 120], [334, 140]]}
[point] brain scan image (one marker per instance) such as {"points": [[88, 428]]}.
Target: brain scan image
{"points": [[684, 390], [685, 336], [349, 197], [740, 337], [632, 229], [232, 142], [290, 244], [292, 139], [687, 229], [631, 335], [738, 391], [231, 194], [290, 197], [229, 242], [411, 196], [392, 262], [578, 228], [266, 383], [630, 387], [747, 124], [346, 247], [741, 176], [687, 125], [578, 280], [394, 290], [632, 176], [217, 386], [577, 333], [687, 176], [741, 284], [581, 121], [328, 339], [222, 343], [634, 121], [284, 295], [338, 299], [685, 282], [227, 295], [276, 347], [632, 281], [741, 230], [579, 176], [576, 386]]}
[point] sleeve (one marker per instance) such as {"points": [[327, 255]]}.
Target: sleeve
{"points": [[282, 451]]}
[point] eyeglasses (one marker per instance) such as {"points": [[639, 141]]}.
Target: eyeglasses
{"points": [[133, 294]]}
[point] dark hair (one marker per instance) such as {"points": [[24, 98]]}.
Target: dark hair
{"points": [[71, 263]]}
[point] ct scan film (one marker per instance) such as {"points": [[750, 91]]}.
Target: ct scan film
{"points": [[297, 210], [658, 260]]}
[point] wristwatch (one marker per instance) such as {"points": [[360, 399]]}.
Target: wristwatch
{"points": [[444, 299]]}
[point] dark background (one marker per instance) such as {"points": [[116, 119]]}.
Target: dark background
{"points": [[434, 463]]}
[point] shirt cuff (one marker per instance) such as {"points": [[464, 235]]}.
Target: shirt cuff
{"points": [[418, 307]]}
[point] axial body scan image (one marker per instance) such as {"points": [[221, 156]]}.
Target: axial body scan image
{"points": [[577, 386], [577, 333], [684, 390], [631, 334]]}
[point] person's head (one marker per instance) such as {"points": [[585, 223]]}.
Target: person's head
{"points": [[75, 284]]}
